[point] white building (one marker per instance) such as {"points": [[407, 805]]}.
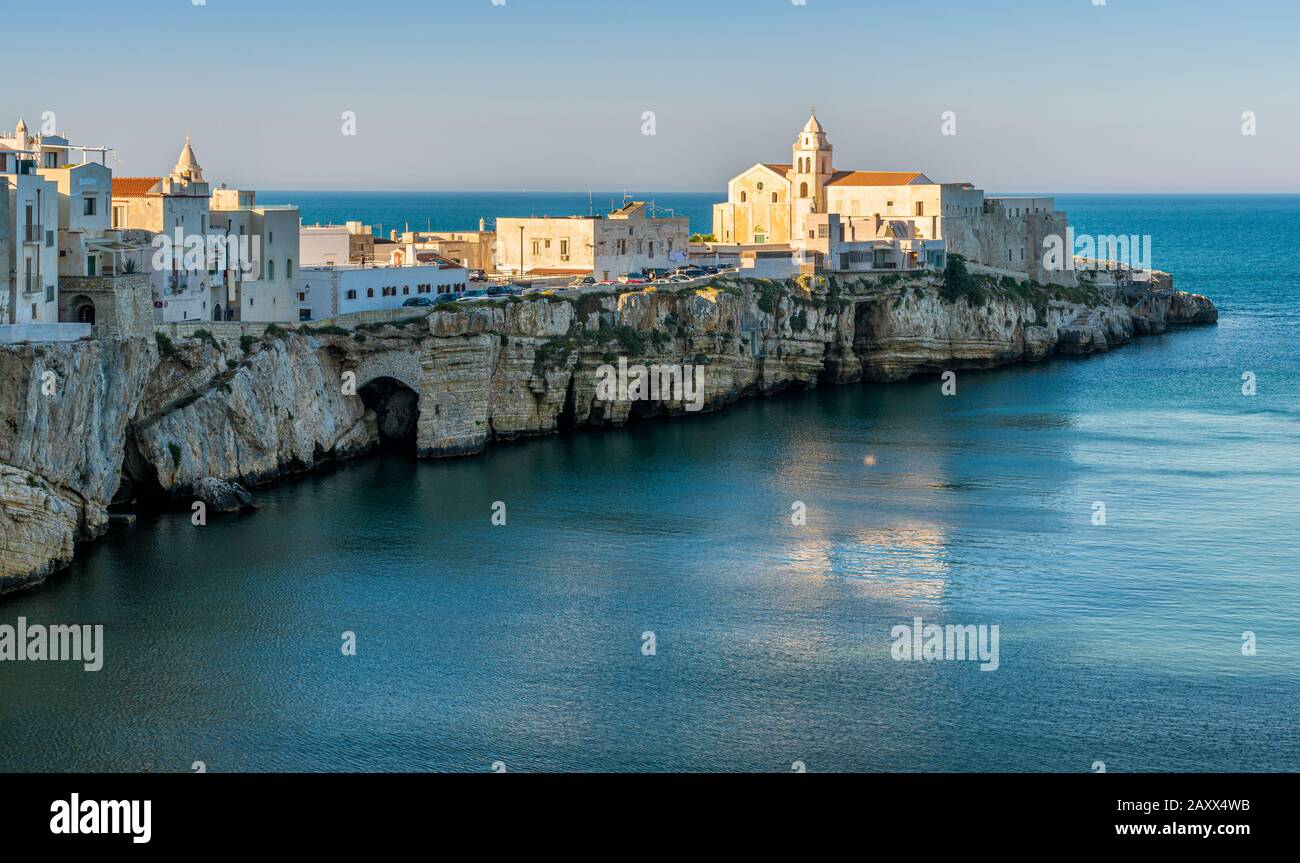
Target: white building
{"points": [[30, 247], [627, 240], [258, 284], [325, 292], [176, 205]]}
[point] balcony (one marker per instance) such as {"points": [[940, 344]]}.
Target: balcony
{"points": [[34, 234]]}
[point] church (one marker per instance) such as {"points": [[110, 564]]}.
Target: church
{"points": [[791, 203], [770, 203]]}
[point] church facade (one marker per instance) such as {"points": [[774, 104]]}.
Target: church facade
{"points": [[788, 204]]}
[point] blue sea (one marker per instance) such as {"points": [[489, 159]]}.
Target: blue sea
{"points": [[529, 643]]}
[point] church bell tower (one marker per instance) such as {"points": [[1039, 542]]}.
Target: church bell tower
{"points": [[811, 171]]}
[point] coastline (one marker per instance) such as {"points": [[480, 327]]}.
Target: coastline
{"points": [[157, 419]]}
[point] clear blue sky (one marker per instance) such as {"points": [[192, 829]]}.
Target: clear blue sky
{"points": [[1050, 95]]}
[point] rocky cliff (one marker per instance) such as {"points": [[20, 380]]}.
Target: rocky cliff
{"points": [[129, 419]]}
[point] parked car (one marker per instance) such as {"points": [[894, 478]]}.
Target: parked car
{"points": [[533, 291], [498, 291], [711, 270], [419, 301], [630, 279], [477, 276], [445, 298], [583, 282], [472, 296], [653, 274], [695, 273]]}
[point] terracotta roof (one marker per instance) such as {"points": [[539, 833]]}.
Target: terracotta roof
{"points": [[778, 167], [133, 187], [877, 178]]}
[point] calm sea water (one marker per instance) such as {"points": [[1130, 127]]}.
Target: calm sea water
{"points": [[1119, 643]]}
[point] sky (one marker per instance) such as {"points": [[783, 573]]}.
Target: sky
{"points": [[1048, 96]]}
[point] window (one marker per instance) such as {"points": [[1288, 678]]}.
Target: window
{"points": [[288, 268], [351, 295], [406, 289], [823, 232], [652, 248], [537, 247], [803, 190], [889, 206], [564, 250], [270, 269], [920, 208], [370, 293], [51, 160], [759, 185], [774, 197], [744, 196], [88, 206]]}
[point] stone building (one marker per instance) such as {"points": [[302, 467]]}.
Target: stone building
{"points": [[473, 249], [785, 204], [176, 205], [629, 239]]}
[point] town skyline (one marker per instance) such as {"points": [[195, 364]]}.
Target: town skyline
{"points": [[556, 97]]}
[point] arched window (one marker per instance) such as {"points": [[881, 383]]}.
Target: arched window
{"points": [[744, 196], [270, 269], [370, 293], [288, 268], [803, 190]]}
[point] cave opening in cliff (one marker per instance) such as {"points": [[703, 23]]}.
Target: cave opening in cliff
{"points": [[397, 411], [138, 488]]}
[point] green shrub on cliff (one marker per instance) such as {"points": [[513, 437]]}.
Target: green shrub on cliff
{"points": [[246, 342], [768, 294], [165, 346], [958, 283]]}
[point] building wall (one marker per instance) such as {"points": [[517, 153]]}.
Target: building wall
{"points": [[78, 184], [274, 297], [750, 213], [541, 242], [663, 243], [477, 250], [7, 249], [324, 245], [324, 290], [40, 258], [1009, 243], [191, 298], [123, 304]]}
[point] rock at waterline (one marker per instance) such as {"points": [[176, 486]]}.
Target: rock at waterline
{"points": [[223, 496]]}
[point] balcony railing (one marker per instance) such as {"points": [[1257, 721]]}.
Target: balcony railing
{"points": [[34, 233]]}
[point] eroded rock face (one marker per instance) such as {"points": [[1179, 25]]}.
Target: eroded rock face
{"points": [[1188, 309], [221, 495], [64, 410], [213, 413]]}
